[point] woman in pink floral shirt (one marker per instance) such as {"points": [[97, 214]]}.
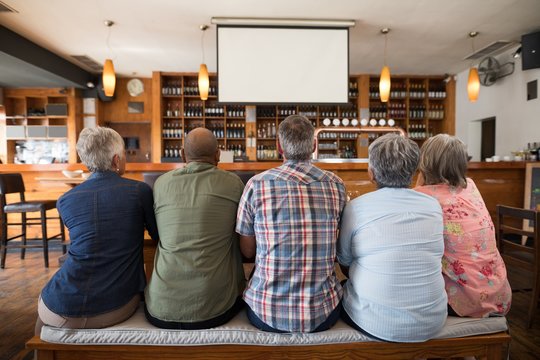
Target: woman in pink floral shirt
{"points": [[474, 272]]}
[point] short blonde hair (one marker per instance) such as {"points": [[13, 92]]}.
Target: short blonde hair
{"points": [[443, 160], [97, 146]]}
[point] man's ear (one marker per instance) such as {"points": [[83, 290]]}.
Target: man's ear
{"points": [[217, 155], [370, 175], [279, 149], [314, 145], [183, 154], [115, 162]]}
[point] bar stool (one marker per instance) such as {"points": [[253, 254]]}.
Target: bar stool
{"points": [[11, 184]]}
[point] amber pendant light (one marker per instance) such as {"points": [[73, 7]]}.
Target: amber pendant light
{"points": [[473, 84], [204, 81], [108, 76], [384, 81]]}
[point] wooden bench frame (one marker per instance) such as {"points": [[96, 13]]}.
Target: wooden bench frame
{"points": [[488, 347]]}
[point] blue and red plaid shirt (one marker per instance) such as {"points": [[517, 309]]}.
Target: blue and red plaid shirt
{"points": [[294, 212]]}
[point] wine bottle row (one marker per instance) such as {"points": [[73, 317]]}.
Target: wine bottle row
{"points": [[353, 89], [266, 131], [172, 131], [237, 149], [171, 151], [265, 152]]}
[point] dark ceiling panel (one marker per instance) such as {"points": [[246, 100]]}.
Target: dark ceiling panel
{"points": [[25, 64]]}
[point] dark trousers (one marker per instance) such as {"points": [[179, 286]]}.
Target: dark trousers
{"points": [[206, 324], [259, 324]]}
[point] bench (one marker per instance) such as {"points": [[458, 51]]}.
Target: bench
{"points": [[238, 339]]}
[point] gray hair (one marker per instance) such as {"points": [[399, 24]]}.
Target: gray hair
{"points": [[393, 160], [296, 137], [97, 146], [444, 161]]}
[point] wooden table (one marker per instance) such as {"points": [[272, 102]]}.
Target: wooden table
{"points": [[64, 180]]}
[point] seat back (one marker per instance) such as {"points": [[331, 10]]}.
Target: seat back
{"points": [[514, 253], [11, 183], [151, 177], [245, 175]]}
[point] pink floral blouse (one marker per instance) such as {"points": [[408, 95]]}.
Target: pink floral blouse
{"points": [[474, 272]]}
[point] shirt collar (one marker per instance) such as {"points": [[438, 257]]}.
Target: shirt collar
{"points": [[195, 167]]}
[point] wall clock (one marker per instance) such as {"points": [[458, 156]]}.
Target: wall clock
{"points": [[135, 87]]}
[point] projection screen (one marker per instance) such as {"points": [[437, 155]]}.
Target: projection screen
{"points": [[271, 65]]}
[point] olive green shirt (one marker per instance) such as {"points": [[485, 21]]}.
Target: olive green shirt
{"points": [[198, 271]]}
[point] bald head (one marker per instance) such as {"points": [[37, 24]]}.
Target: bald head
{"points": [[201, 145]]}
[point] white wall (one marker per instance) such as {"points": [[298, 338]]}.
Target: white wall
{"points": [[517, 120]]}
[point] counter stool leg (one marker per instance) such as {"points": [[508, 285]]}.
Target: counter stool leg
{"points": [[23, 233], [3, 240], [44, 234]]}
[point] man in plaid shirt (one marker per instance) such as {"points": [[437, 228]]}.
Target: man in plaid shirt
{"points": [[288, 219]]}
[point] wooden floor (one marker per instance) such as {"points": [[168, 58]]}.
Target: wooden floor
{"points": [[22, 280]]}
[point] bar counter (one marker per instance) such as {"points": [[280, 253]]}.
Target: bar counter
{"points": [[498, 182]]}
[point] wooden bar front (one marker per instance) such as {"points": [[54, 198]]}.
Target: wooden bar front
{"points": [[499, 183]]}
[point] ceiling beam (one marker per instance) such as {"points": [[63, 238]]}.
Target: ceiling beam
{"points": [[26, 51]]}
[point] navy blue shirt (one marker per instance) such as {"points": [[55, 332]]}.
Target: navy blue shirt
{"points": [[106, 216]]}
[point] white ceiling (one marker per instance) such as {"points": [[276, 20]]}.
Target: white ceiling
{"points": [[427, 36]]}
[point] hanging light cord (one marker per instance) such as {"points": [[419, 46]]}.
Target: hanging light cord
{"points": [[385, 43], [202, 44], [109, 24], [472, 35]]}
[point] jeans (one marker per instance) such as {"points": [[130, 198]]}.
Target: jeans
{"points": [[259, 324], [205, 324]]}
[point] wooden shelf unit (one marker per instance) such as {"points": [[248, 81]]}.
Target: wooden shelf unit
{"points": [[422, 105], [418, 104], [28, 117]]}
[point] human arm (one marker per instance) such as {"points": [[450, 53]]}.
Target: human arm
{"points": [[245, 225], [344, 243], [248, 246], [147, 199]]}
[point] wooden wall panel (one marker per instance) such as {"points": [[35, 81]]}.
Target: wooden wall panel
{"points": [[117, 110]]}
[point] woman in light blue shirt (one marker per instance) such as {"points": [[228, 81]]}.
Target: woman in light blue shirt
{"points": [[391, 244]]}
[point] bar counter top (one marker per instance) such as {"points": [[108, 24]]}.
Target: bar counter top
{"points": [[242, 166]]}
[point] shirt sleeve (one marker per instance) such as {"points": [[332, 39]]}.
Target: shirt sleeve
{"points": [[148, 208], [346, 233], [245, 216]]}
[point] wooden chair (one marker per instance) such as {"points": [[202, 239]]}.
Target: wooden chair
{"points": [[514, 253], [12, 184]]}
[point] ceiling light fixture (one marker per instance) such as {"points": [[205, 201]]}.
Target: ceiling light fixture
{"points": [[204, 81], [282, 22], [384, 81], [473, 84], [108, 77]]}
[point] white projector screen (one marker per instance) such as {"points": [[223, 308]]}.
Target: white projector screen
{"points": [[271, 65]]}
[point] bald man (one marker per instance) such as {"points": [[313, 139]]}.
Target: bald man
{"points": [[198, 276]]}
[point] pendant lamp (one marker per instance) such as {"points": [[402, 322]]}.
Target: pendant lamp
{"points": [[384, 81], [473, 84], [204, 81], [108, 76]]}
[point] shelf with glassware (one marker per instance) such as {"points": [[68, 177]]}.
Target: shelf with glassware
{"points": [[269, 118], [38, 125], [417, 104]]}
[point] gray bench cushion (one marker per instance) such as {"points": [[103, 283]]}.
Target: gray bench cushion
{"points": [[137, 331]]}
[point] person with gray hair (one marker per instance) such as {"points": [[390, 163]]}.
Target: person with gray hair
{"points": [[198, 276], [101, 280], [473, 269], [288, 220], [390, 246]]}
